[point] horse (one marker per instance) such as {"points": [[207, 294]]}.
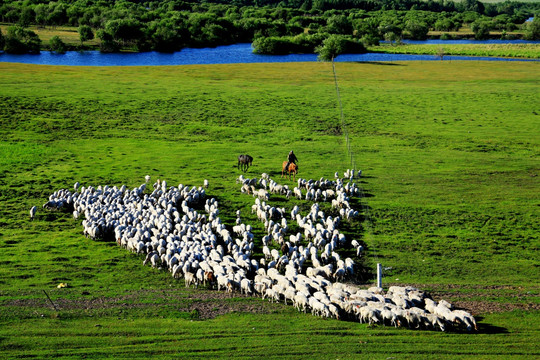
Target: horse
{"points": [[293, 169], [245, 161]]}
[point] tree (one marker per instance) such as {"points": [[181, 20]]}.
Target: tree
{"points": [[335, 45], [126, 31], [272, 45], [339, 24], [2, 40], [416, 29], [368, 29], [473, 5], [330, 48], [41, 11], [390, 30], [85, 33], [392, 37], [166, 38], [19, 40], [27, 16], [370, 40], [57, 14], [107, 44], [57, 45], [440, 53], [446, 24], [480, 29], [73, 13], [533, 29]]}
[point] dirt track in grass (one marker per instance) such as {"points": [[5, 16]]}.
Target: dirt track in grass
{"points": [[209, 304]]}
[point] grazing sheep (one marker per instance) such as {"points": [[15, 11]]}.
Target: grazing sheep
{"points": [[339, 274], [190, 279], [33, 210], [246, 286], [270, 294], [390, 318], [301, 302], [175, 235], [463, 317], [223, 283]]}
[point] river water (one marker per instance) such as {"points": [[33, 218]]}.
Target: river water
{"points": [[231, 54]]}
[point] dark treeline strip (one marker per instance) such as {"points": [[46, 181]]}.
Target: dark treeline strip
{"points": [[273, 26]]}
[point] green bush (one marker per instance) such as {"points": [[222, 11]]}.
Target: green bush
{"points": [[446, 36], [299, 44], [19, 40], [416, 30], [335, 45], [481, 29], [108, 44], [533, 29], [57, 45], [370, 40], [85, 33], [273, 45]]}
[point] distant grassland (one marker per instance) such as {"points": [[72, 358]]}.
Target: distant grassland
{"points": [[67, 34], [450, 157], [531, 51]]}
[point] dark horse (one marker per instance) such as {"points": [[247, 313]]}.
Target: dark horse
{"points": [[293, 169], [245, 161]]}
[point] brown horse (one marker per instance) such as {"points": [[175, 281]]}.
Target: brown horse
{"points": [[293, 169], [245, 161]]}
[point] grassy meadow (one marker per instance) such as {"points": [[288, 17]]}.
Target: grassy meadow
{"points": [[68, 34], [527, 51], [450, 158]]}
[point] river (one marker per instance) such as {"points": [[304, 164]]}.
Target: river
{"points": [[231, 54]]}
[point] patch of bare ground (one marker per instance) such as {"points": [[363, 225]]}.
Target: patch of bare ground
{"points": [[468, 297], [210, 303], [486, 307], [207, 303]]}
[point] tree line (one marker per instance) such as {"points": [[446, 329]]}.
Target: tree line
{"points": [[273, 27]]}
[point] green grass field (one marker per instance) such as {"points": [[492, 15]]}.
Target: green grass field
{"points": [[450, 157], [527, 51], [68, 34]]}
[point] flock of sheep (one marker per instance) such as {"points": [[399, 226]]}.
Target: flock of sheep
{"points": [[178, 228]]}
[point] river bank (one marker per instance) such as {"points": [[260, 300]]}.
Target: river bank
{"points": [[441, 48]]}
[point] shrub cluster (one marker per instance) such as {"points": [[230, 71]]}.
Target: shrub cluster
{"points": [[274, 27]]}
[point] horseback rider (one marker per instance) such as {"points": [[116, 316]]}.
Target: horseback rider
{"points": [[291, 158]]}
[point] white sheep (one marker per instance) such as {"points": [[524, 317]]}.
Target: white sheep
{"points": [[246, 286], [190, 279], [33, 210], [166, 226]]}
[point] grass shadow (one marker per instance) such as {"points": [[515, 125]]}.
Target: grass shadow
{"points": [[280, 199], [379, 63], [488, 328], [274, 173]]}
